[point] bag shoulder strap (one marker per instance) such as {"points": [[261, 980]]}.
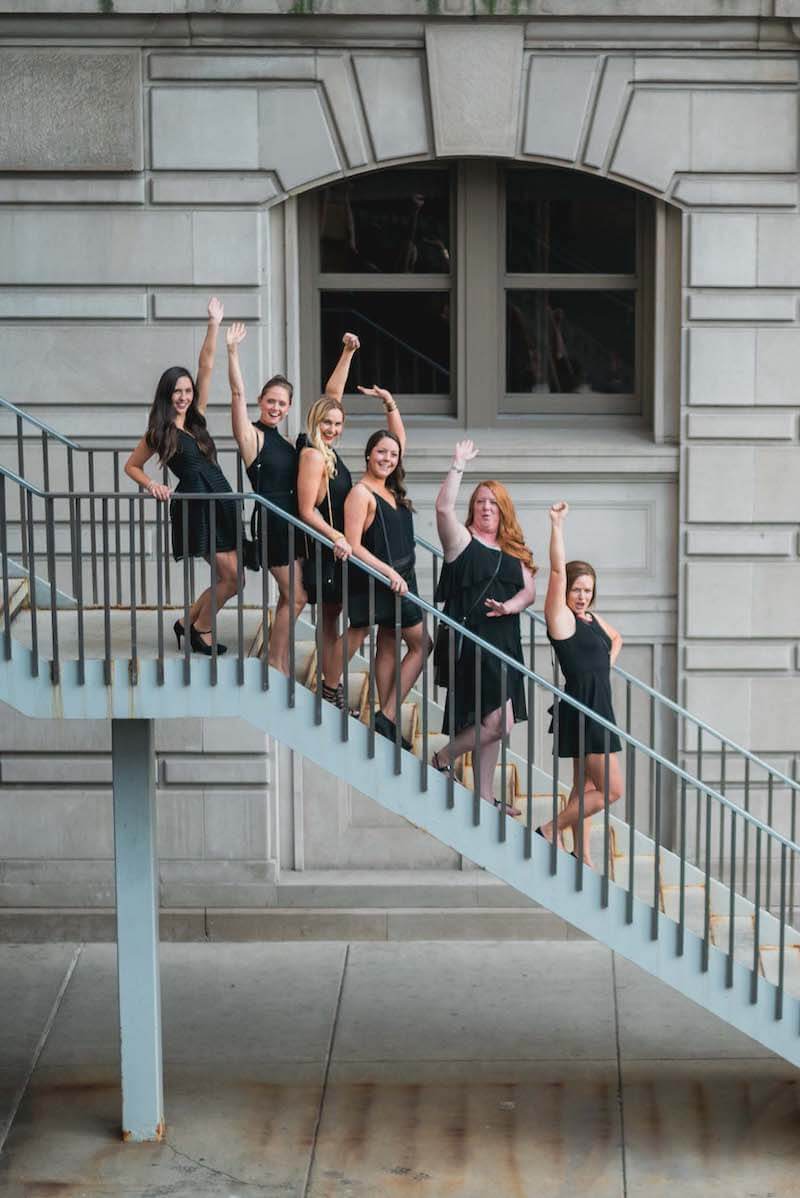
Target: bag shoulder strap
{"points": [[484, 589]]}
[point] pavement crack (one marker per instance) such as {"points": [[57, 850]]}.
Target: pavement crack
{"points": [[324, 1089], [241, 1181], [620, 1087]]}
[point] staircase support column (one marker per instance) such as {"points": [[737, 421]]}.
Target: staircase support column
{"points": [[136, 866]]}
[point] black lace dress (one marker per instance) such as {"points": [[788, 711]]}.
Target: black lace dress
{"points": [[464, 585], [332, 511], [196, 473], [273, 474], [389, 537], [585, 660]]}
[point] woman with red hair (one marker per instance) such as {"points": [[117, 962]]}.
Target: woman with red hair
{"points": [[486, 581]]}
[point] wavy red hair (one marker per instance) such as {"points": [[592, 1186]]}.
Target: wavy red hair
{"points": [[510, 536]]}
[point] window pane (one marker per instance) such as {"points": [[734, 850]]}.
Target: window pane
{"points": [[564, 222], [390, 222], [570, 341], [405, 338]]}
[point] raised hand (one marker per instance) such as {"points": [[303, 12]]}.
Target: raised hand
{"points": [[465, 451], [215, 310], [379, 392], [351, 342], [558, 513], [235, 334]]}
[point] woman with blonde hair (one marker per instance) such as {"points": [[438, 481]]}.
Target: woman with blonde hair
{"points": [[323, 484], [486, 581]]}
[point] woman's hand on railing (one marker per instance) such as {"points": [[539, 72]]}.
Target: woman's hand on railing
{"points": [[397, 583], [465, 451], [342, 549], [558, 513], [159, 491], [235, 334]]}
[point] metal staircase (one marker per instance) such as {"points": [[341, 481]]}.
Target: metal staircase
{"points": [[690, 885]]}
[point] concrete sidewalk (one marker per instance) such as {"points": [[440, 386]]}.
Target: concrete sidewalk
{"points": [[380, 1069]]}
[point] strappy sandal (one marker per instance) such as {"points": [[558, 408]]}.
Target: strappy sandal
{"points": [[539, 832], [509, 807], [443, 769]]}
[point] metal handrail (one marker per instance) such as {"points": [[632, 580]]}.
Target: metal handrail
{"points": [[442, 617], [40, 424], [660, 697]]}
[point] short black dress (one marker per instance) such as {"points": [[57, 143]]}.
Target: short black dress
{"points": [[585, 660], [460, 588], [196, 473], [389, 537], [273, 474], [339, 487]]}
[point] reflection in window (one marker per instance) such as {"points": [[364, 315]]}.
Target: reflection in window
{"points": [[405, 338], [570, 341], [387, 223], [565, 222]]}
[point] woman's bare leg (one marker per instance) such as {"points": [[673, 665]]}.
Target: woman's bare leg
{"points": [[283, 619], [410, 667], [593, 799], [226, 587]]}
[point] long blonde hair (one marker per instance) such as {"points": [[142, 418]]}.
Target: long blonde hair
{"points": [[316, 414], [510, 536]]}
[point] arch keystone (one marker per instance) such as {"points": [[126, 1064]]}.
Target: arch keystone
{"points": [[475, 76]]}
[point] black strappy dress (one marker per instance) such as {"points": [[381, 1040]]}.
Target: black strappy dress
{"points": [[585, 660], [197, 473], [389, 537], [339, 487], [273, 474]]}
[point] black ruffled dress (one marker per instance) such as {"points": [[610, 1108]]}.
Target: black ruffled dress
{"points": [[389, 537]]}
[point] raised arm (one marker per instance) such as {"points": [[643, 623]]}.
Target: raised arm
{"points": [[357, 507], [616, 637], [560, 620], [334, 388], [394, 421], [452, 533], [310, 478], [246, 436], [134, 468], [207, 353]]}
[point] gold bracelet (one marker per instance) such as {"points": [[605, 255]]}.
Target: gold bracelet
{"points": [[390, 407]]}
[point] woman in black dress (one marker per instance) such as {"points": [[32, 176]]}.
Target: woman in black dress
{"points": [[379, 525], [271, 464], [586, 647], [323, 484], [178, 435], [486, 581]]}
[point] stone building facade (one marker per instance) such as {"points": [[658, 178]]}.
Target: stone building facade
{"points": [[149, 158]]}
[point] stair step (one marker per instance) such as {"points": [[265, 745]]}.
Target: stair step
{"points": [[769, 955], [743, 935], [17, 597], [64, 601]]}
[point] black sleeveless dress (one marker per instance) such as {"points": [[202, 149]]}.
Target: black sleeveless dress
{"points": [[196, 473], [463, 587], [273, 474], [389, 537], [585, 660], [339, 487]]}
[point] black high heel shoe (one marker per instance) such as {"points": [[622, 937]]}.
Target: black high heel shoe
{"points": [[179, 631], [388, 728], [200, 646]]}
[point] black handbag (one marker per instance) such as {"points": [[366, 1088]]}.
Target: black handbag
{"points": [[441, 645]]}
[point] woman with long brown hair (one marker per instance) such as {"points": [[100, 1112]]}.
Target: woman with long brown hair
{"points": [[486, 581], [178, 436]]}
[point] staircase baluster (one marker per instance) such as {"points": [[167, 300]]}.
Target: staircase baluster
{"points": [[654, 917], [707, 884], [722, 786], [212, 563], [554, 841], [423, 764], [746, 863], [134, 660], [630, 786], [187, 619], [23, 515], [476, 752], [770, 800], [263, 534], [680, 937], [76, 555], [606, 820], [792, 836], [501, 811], [291, 680], [4, 557], [318, 631], [159, 594], [531, 731], [781, 938], [167, 547], [45, 463], [435, 627], [756, 920], [34, 606], [239, 589], [698, 792], [398, 692], [451, 706], [578, 833], [731, 908], [345, 721], [142, 556], [371, 681], [652, 743], [92, 527], [50, 543], [117, 525], [106, 593]]}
